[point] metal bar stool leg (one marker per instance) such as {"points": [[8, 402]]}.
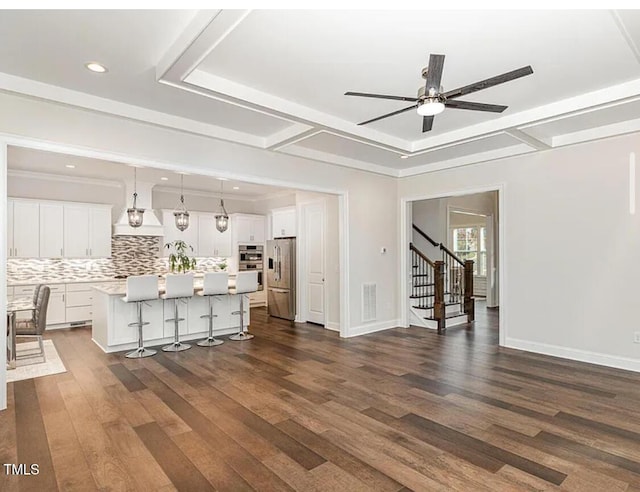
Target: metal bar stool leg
{"points": [[177, 345], [210, 341], [241, 335], [140, 352]]}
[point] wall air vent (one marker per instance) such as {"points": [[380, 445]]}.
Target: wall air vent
{"points": [[369, 302]]}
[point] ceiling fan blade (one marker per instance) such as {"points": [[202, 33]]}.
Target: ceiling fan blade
{"points": [[434, 72], [492, 108], [427, 123], [389, 114], [380, 96], [485, 84]]}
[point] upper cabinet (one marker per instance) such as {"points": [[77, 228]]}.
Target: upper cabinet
{"points": [[25, 223], [100, 232], [201, 234], [212, 242], [171, 232], [87, 231], [48, 229], [248, 229], [51, 230], [283, 222]]}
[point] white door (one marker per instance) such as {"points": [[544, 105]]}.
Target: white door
{"points": [[76, 231], [9, 228], [51, 230], [26, 229], [100, 233], [313, 257]]}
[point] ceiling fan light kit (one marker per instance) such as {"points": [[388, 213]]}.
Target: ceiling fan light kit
{"points": [[432, 100]]}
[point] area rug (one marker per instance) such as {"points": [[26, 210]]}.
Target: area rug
{"points": [[30, 365]]}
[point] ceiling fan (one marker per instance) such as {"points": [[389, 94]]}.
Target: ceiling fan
{"points": [[432, 100]]}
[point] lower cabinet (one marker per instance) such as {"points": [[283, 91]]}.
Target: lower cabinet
{"points": [[68, 303], [56, 313]]}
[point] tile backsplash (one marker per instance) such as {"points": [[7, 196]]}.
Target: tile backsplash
{"points": [[130, 255]]}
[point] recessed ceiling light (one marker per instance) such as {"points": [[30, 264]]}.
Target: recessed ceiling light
{"points": [[70, 166], [222, 179], [164, 178], [96, 67], [236, 187], [404, 157]]}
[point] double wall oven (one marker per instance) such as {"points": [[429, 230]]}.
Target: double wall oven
{"points": [[251, 258]]}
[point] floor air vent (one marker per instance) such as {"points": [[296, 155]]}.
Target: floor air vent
{"points": [[369, 300]]}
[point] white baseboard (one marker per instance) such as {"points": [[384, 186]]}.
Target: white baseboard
{"points": [[575, 354], [332, 325], [355, 331]]}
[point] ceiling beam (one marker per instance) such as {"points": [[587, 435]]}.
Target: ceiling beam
{"points": [[533, 142]]}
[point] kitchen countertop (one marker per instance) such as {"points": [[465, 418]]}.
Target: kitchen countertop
{"points": [[119, 288], [78, 280]]}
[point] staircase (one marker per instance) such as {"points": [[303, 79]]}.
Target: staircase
{"points": [[441, 290]]}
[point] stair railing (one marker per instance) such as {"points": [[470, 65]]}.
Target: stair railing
{"points": [[457, 277]]}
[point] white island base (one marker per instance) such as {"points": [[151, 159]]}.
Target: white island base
{"points": [[111, 317]]}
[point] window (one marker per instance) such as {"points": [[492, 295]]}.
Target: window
{"points": [[470, 243]]}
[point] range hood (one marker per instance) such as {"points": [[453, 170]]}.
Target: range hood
{"points": [[151, 226]]}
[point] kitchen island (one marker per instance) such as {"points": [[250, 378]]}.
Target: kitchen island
{"points": [[111, 317]]}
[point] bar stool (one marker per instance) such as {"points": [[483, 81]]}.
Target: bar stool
{"points": [[140, 289], [180, 289], [245, 282], [215, 284]]}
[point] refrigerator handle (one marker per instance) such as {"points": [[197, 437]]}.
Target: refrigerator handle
{"points": [[277, 265]]}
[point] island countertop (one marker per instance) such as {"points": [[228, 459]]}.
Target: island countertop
{"points": [[119, 288]]}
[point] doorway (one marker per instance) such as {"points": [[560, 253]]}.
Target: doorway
{"points": [[468, 225]]}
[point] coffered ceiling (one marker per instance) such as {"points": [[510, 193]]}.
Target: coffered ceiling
{"points": [[275, 79]]}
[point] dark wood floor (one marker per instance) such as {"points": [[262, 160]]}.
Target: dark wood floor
{"points": [[300, 408]]}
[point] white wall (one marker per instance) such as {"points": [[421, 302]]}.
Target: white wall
{"points": [[263, 207], [47, 189], [571, 247], [371, 199], [332, 275], [197, 202], [431, 217]]}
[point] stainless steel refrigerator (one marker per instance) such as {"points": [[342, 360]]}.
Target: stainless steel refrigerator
{"points": [[281, 278]]}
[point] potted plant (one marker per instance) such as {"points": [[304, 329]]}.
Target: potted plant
{"points": [[179, 260]]}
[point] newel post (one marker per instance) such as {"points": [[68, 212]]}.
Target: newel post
{"points": [[469, 305], [439, 311]]}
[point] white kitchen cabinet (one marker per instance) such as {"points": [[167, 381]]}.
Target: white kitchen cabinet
{"points": [[99, 232], [206, 235], [51, 230], [171, 232], [248, 229], [26, 235], [78, 302], [212, 242], [283, 222], [56, 312], [87, 231], [223, 247], [76, 231]]}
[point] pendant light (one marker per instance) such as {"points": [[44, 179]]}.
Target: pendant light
{"points": [[180, 213], [222, 219], [134, 213]]}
